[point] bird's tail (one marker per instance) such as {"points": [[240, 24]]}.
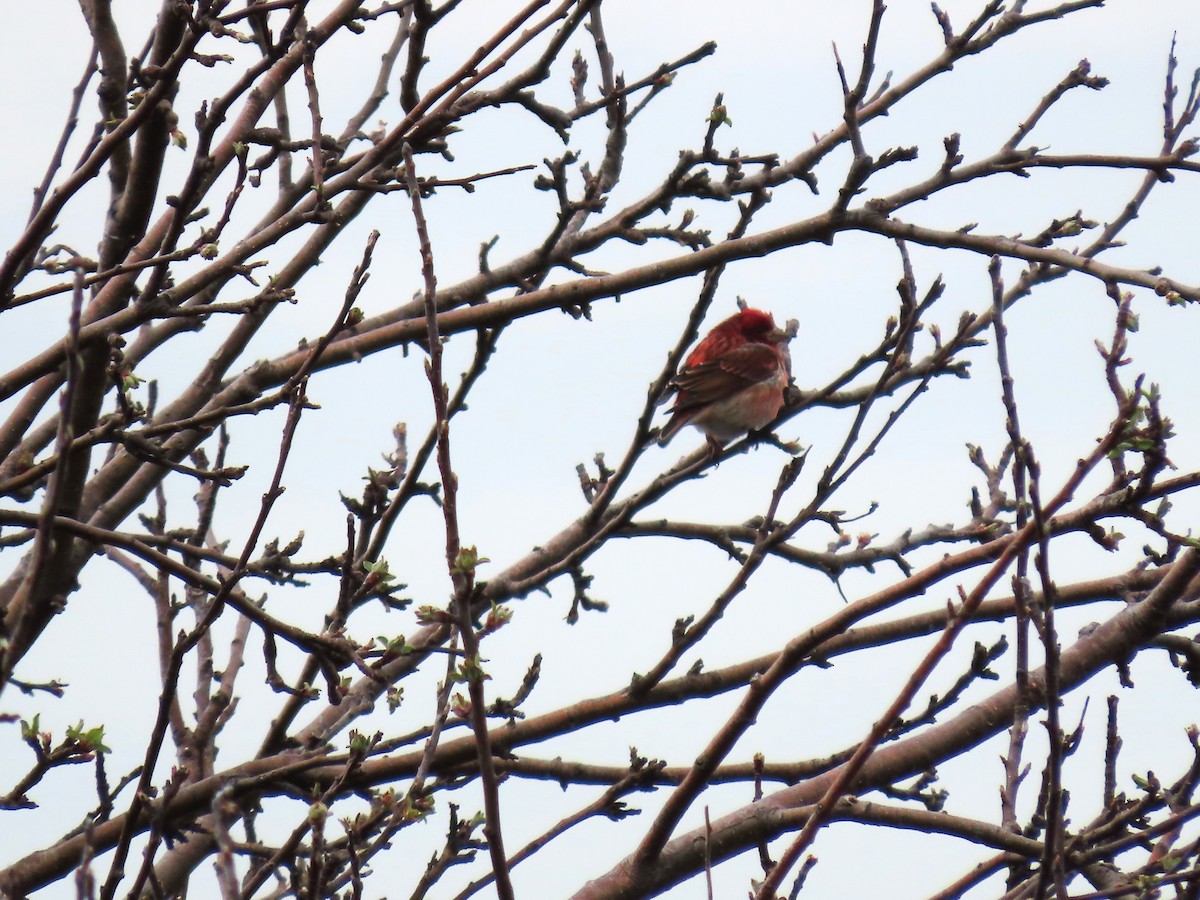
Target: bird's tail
{"points": [[669, 430]]}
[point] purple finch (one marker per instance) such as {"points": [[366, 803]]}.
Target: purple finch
{"points": [[733, 381]]}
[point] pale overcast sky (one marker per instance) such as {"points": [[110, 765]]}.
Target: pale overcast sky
{"points": [[556, 395]]}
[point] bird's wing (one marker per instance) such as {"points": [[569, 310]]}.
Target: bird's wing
{"points": [[726, 375]]}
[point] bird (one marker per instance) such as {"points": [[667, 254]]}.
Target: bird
{"points": [[733, 382]]}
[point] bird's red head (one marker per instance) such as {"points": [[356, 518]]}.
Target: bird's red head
{"points": [[748, 326], [754, 324]]}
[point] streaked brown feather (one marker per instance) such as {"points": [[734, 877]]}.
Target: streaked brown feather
{"points": [[733, 371]]}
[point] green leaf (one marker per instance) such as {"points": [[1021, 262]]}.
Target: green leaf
{"points": [[467, 560], [32, 729], [91, 739]]}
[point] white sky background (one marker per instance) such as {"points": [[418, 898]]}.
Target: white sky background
{"points": [[560, 390]]}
